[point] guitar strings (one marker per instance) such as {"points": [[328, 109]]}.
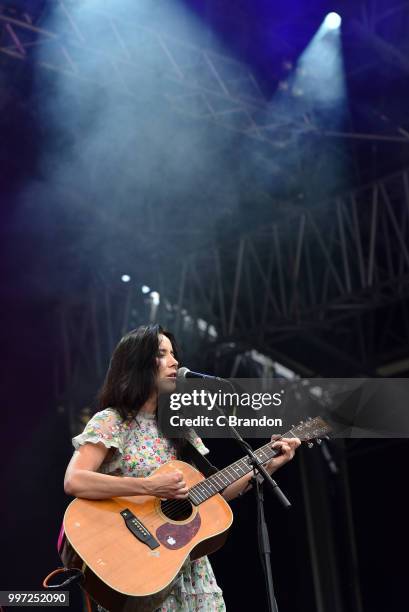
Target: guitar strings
{"points": [[172, 507], [175, 506], [173, 503]]}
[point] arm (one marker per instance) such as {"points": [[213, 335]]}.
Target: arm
{"points": [[288, 447], [83, 480]]}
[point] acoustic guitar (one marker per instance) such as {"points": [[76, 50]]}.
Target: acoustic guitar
{"points": [[131, 549]]}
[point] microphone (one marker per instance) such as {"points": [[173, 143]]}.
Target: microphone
{"points": [[186, 373]]}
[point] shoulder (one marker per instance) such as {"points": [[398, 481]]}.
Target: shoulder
{"points": [[108, 415], [105, 426]]}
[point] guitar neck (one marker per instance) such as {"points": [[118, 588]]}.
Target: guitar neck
{"points": [[205, 489]]}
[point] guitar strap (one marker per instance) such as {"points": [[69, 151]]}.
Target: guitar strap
{"points": [[191, 454]]}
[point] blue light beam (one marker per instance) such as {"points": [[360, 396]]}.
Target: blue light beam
{"points": [[320, 76]]}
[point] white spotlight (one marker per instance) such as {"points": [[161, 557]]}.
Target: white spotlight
{"points": [[125, 278], [145, 289], [155, 297], [333, 21]]}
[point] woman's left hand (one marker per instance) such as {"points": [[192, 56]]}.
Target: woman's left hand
{"points": [[288, 447]]}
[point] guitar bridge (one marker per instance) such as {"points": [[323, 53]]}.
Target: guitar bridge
{"points": [[138, 529]]}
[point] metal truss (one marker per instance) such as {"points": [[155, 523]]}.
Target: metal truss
{"points": [[336, 283], [220, 86], [303, 274], [88, 329], [373, 29], [197, 82], [312, 274]]}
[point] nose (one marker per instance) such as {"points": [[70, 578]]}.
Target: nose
{"points": [[174, 361]]}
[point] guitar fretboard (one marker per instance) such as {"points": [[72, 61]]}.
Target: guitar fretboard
{"points": [[205, 489]]}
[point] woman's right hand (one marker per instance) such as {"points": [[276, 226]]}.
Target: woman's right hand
{"points": [[170, 485]]}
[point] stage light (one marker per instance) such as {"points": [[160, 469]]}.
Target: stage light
{"points": [[333, 21], [125, 278], [155, 297], [318, 78], [145, 289]]}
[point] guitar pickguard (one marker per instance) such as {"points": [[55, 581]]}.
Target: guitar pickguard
{"points": [[174, 536]]}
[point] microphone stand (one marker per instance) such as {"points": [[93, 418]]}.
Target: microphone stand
{"points": [[263, 537]]}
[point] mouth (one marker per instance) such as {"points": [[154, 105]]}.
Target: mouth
{"points": [[172, 376]]}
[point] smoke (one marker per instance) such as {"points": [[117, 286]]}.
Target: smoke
{"points": [[144, 156], [129, 174]]}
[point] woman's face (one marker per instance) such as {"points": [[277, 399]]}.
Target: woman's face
{"points": [[167, 364]]}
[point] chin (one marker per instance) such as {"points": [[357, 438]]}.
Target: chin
{"points": [[167, 385]]}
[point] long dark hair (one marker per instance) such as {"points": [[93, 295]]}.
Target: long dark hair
{"points": [[131, 376]]}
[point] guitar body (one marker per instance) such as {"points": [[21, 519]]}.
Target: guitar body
{"points": [[123, 573]]}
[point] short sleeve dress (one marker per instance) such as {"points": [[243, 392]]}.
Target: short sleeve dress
{"points": [[138, 450]]}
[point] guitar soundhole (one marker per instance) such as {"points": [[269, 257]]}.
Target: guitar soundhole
{"points": [[176, 509]]}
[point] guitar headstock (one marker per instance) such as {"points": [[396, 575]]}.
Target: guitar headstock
{"points": [[311, 429]]}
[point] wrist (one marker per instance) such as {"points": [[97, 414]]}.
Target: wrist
{"points": [[145, 485], [246, 488], [139, 486]]}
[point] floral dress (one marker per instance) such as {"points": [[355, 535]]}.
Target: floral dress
{"points": [[138, 450]]}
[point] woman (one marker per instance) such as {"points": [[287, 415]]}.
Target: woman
{"points": [[121, 446]]}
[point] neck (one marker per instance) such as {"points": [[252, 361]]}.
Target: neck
{"points": [[205, 489], [151, 404]]}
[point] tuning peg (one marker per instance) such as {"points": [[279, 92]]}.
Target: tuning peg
{"points": [[319, 441], [310, 444], [327, 437]]}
